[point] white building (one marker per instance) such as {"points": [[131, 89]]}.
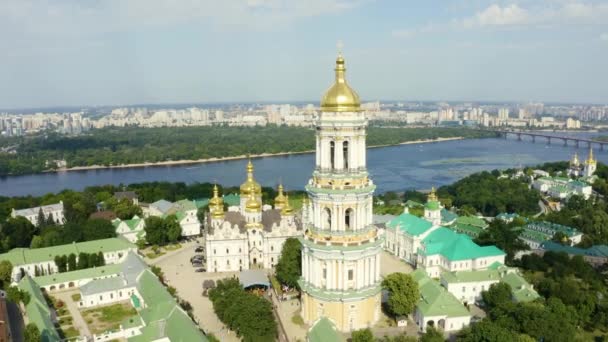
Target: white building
{"points": [[247, 236], [51, 211], [41, 261], [132, 229]]}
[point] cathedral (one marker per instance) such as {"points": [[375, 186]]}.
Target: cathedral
{"points": [[250, 235], [340, 247], [586, 169]]}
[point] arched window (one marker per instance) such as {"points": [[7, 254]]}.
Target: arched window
{"points": [[349, 219], [345, 154], [332, 151], [326, 218]]}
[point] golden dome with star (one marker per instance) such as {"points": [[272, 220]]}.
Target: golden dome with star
{"points": [[340, 97], [252, 204], [250, 182]]}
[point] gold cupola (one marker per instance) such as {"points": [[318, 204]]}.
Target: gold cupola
{"points": [[250, 183], [287, 210], [340, 97], [216, 204], [590, 159], [575, 161], [280, 200], [252, 204], [432, 195]]}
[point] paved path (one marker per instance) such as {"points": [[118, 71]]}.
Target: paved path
{"points": [[15, 321], [180, 274], [391, 264], [77, 320]]}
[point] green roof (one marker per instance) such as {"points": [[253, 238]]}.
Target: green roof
{"points": [[22, 256], [324, 331], [436, 300], [470, 276], [533, 235], [521, 290], [432, 205], [466, 229], [447, 216], [232, 199], [410, 224], [472, 221], [201, 202], [87, 273], [413, 204], [131, 322], [180, 327], [38, 311], [454, 246], [186, 205]]}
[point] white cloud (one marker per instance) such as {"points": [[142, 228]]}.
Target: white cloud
{"points": [[498, 16], [546, 15]]}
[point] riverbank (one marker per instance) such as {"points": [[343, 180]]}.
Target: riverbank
{"points": [[214, 160]]}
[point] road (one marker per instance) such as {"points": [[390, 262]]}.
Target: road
{"points": [[15, 321]]}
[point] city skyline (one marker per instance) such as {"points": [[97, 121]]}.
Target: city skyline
{"points": [[130, 52]]}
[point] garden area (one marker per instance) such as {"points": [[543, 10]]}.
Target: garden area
{"points": [[65, 321], [107, 318], [155, 251]]}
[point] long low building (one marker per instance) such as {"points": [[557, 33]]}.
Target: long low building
{"points": [[467, 286], [41, 261], [159, 318], [51, 212], [437, 307]]}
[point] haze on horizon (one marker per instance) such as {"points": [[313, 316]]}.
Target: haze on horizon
{"points": [[74, 52]]}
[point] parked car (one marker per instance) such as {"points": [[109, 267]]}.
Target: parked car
{"points": [[197, 257], [198, 270], [199, 249]]}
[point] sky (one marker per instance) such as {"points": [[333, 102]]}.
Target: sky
{"points": [[121, 52]]}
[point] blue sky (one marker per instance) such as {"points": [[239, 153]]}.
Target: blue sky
{"points": [[98, 52]]}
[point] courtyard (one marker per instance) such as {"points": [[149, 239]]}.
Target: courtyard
{"points": [[180, 274]]}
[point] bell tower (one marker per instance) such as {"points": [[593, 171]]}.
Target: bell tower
{"points": [[341, 248]]}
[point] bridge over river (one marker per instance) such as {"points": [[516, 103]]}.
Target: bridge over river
{"points": [[566, 140]]}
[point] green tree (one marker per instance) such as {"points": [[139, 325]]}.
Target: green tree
{"points": [[31, 333], [37, 242], [13, 294], [101, 260], [403, 293], [141, 243], [41, 220], [83, 261], [173, 229], [363, 335], [72, 262], [18, 232], [504, 236], [6, 271], [96, 229], [498, 294], [486, 331], [289, 266], [432, 335], [155, 233]]}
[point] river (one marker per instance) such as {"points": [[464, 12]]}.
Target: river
{"points": [[417, 166]]}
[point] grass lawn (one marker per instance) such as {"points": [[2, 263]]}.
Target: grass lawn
{"points": [[107, 317], [152, 255], [297, 319], [172, 247], [69, 332]]}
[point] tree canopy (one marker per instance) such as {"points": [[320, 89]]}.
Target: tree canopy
{"points": [[289, 267], [403, 293]]}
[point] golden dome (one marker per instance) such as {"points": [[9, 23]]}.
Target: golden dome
{"points": [[590, 159], [432, 195], [340, 97], [252, 203], [216, 204], [575, 161], [250, 182], [280, 199], [287, 209]]}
